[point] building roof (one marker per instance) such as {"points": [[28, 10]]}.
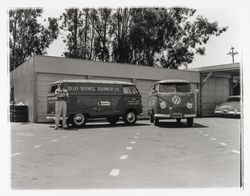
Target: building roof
{"points": [[93, 81], [232, 67], [69, 66], [173, 81]]}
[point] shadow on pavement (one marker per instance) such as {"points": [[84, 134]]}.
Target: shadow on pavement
{"points": [[102, 125], [179, 125]]}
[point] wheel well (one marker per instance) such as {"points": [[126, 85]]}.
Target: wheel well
{"points": [[72, 114], [132, 110]]}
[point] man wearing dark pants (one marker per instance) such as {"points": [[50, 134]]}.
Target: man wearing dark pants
{"points": [[61, 95]]}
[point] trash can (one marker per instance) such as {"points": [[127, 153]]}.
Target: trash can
{"points": [[18, 113]]}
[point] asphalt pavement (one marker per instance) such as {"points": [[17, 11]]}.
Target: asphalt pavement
{"points": [[100, 156]]}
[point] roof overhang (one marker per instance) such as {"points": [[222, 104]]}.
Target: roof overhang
{"points": [[233, 68]]}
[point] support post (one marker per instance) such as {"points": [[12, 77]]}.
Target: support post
{"points": [[205, 80]]}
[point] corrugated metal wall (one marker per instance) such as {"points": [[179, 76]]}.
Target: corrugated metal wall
{"points": [[214, 92]]}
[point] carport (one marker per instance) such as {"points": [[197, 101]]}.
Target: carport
{"points": [[216, 84]]}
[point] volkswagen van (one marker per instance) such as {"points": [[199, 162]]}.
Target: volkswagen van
{"points": [[172, 99], [97, 99]]}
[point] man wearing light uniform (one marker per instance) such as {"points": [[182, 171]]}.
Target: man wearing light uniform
{"points": [[61, 95]]}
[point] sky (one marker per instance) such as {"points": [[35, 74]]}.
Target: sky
{"points": [[216, 48]]}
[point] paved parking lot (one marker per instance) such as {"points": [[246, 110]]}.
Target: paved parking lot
{"points": [[140, 156]]}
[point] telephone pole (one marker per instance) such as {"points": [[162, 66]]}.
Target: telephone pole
{"points": [[232, 53]]}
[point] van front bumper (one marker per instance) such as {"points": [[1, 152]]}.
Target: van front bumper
{"points": [[167, 116]]}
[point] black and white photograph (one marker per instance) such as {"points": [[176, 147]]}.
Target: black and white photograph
{"points": [[138, 96]]}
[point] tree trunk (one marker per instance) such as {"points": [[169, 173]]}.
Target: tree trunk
{"points": [[75, 34], [86, 33]]}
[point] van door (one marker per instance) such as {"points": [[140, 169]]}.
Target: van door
{"points": [[131, 98], [103, 107], [116, 98]]}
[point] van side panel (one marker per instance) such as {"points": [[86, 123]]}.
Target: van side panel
{"points": [[96, 99], [81, 104]]}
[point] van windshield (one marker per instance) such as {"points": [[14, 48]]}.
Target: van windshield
{"points": [[52, 89], [174, 87]]}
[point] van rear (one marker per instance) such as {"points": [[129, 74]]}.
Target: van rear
{"points": [[51, 101]]}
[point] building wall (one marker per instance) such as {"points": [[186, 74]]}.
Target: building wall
{"points": [[31, 80], [42, 85], [215, 91], [22, 81], [51, 69]]}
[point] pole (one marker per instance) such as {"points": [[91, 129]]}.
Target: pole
{"points": [[232, 53]]}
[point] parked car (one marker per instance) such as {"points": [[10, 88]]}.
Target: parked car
{"points": [[172, 99], [97, 99], [229, 108]]}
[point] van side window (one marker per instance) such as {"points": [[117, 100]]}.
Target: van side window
{"points": [[126, 90], [130, 90]]}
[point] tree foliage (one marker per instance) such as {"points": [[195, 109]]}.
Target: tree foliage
{"points": [[159, 37], [27, 36], [163, 37]]}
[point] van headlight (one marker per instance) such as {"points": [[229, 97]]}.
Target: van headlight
{"points": [[163, 104], [189, 105]]}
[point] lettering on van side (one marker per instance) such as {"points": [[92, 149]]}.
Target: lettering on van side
{"points": [[92, 88]]}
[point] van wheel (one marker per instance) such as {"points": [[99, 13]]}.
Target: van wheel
{"points": [[130, 117], [113, 120], [156, 121], [190, 122], [78, 120]]}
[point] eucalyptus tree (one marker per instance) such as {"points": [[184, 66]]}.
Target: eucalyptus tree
{"points": [[169, 37], [164, 37], [120, 28], [72, 24], [28, 36], [101, 20]]}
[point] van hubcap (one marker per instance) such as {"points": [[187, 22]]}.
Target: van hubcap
{"points": [[130, 117], [79, 119]]}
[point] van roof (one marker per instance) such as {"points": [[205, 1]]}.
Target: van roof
{"points": [[93, 81], [173, 81]]}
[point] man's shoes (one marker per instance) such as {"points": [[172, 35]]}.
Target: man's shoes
{"points": [[56, 128]]}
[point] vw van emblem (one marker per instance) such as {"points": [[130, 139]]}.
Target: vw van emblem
{"points": [[176, 100]]}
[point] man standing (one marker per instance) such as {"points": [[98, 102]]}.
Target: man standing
{"points": [[61, 95]]}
